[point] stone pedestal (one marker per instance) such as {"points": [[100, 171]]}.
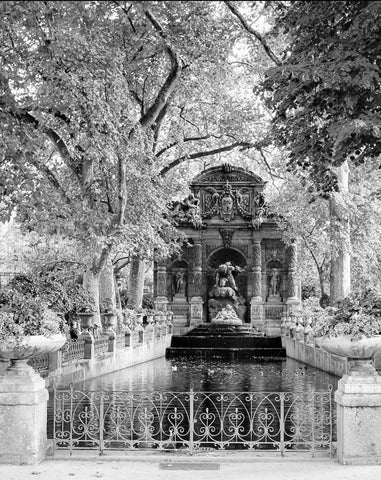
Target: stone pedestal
{"points": [[23, 416], [196, 311], [358, 400], [180, 309], [257, 314], [161, 303], [274, 299]]}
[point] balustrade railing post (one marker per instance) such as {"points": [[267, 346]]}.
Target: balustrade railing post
{"points": [[313, 424], [191, 420], [54, 416], [282, 424], [330, 388], [101, 425], [71, 419]]}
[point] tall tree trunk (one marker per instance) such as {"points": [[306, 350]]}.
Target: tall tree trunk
{"points": [[340, 277], [91, 283], [107, 284], [136, 283]]}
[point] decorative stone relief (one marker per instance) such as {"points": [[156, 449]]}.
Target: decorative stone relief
{"points": [[274, 253], [226, 203], [257, 283], [257, 254], [274, 312], [196, 311], [161, 281], [195, 284], [196, 255], [227, 235], [256, 311]]}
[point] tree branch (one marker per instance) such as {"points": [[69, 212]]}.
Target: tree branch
{"points": [[157, 126], [53, 180], [267, 164], [192, 156], [122, 193], [169, 85], [186, 139], [253, 32], [121, 266]]}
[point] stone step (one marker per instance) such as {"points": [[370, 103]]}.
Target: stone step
{"points": [[230, 353]]}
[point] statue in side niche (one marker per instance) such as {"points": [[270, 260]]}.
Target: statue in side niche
{"points": [[274, 282], [180, 282]]}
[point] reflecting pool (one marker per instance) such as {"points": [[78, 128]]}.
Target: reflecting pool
{"points": [[138, 407]]}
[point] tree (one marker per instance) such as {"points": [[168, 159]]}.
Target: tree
{"points": [[325, 94], [98, 101]]}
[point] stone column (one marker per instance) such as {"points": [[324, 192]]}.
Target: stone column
{"points": [[195, 284], [358, 400], [292, 294], [256, 304], [161, 302], [23, 415]]}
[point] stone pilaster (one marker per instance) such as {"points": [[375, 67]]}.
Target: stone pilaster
{"points": [[161, 301], [195, 275], [256, 304], [257, 271], [292, 280]]}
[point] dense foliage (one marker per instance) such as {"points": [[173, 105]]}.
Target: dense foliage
{"points": [[326, 91], [357, 316], [24, 315]]}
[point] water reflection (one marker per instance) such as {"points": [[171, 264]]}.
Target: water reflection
{"points": [[179, 375]]}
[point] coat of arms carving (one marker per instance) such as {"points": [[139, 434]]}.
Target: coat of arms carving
{"points": [[227, 202]]}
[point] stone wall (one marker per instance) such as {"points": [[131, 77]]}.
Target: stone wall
{"points": [[136, 349], [314, 356]]}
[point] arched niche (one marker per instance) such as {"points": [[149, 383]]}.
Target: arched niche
{"points": [[237, 259], [280, 282]]}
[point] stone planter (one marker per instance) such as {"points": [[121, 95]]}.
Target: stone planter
{"points": [[20, 352], [359, 352]]}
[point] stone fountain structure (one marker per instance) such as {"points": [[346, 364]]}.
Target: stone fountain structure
{"points": [[235, 257]]}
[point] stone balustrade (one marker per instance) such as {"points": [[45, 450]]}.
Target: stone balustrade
{"points": [[112, 351], [300, 345]]}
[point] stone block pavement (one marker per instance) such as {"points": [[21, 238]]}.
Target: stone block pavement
{"points": [[227, 467]]}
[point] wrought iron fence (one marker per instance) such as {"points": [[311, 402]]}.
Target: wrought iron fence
{"points": [[73, 351], [101, 345], [193, 421], [40, 363]]}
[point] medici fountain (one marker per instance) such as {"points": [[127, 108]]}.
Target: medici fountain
{"points": [[235, 277]]}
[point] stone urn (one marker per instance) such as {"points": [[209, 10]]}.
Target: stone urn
{"points": [[19, 352], [86, 320], [109, 320], [139, 318], [360, 353]]}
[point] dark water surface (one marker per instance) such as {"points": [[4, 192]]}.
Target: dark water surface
{"points": [[217, 375]]}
